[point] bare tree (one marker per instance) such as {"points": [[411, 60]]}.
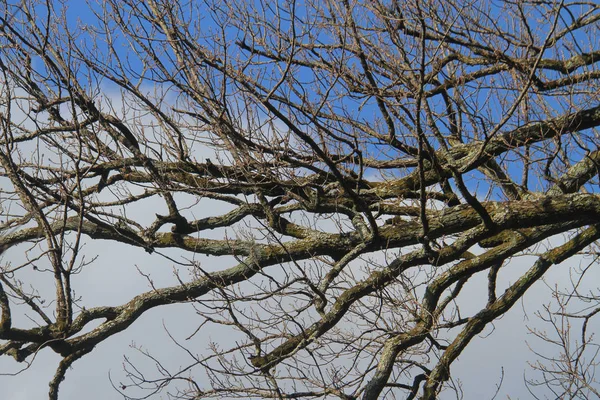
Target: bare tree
{"points": [[567, 348], [354, 164]]}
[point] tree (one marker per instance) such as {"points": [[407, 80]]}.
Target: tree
{"points": [[349, 167]]}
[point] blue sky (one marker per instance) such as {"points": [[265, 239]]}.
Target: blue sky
{"points": [[479, 367]]}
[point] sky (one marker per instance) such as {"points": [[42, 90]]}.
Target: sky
{"points": [[114, 278], [499, 352]]}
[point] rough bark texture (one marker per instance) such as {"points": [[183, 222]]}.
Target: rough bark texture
{"points": [[348, 167]]}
